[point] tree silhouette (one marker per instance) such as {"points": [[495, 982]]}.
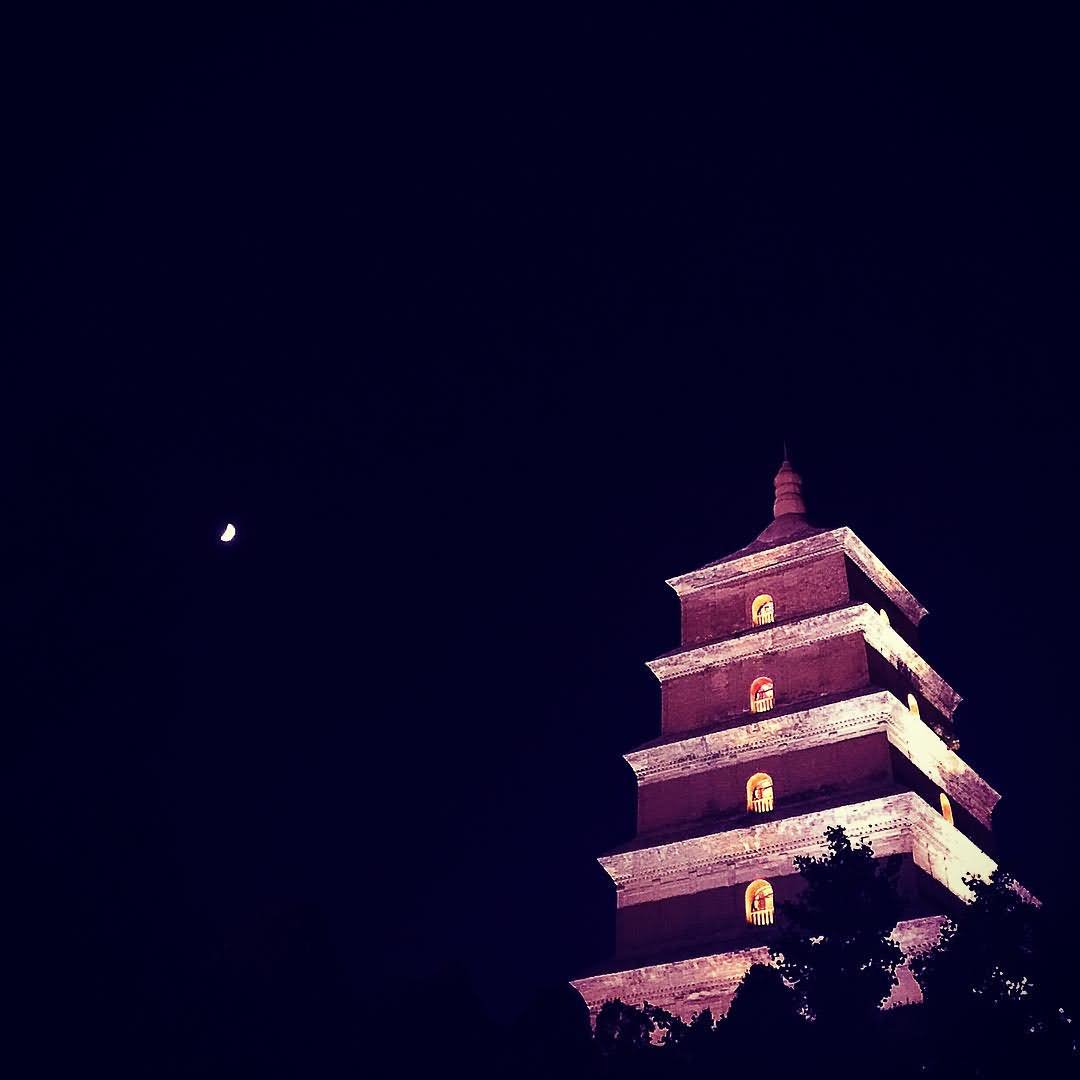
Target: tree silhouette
{"points": [[623, 1030], [763, 1003], [836, 950], [764, 1018], [989, 988], [991, 1002], [986, 953]]}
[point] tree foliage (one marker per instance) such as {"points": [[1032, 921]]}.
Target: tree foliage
{"points": [[986, 954], [837, 950], [993, 999], [623, 1030], [764, 1003], [989, 987]]}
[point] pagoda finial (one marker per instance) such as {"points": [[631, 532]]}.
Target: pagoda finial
{"points": [[788, 487]]}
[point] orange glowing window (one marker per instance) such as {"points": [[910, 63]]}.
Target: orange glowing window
{"points": [[759, 793], [913, 705], [761, 694], [762, 610], [946, 808], [760, 909]]}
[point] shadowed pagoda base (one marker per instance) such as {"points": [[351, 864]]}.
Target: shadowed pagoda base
{"points": [[686, 987]]}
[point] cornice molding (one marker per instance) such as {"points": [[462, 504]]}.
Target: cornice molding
{"points": [[823, 725], [780, 637], [921, 745], [894, 824], [686, 987], [838, 540], [764, 737]]}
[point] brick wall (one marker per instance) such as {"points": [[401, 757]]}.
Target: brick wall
{"points": [[899, 684], [716, 918], [799, 589], [846, 768], [686, 987], [863, 591], [800, 675], [908, 776], [712, 918]]}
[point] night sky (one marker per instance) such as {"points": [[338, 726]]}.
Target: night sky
{"points": [[479, 328]]}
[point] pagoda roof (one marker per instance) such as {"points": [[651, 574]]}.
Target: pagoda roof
{"points": [[790, 537], [897, 823], [776, 637], [736, 821], [824, 724], [781, 530], [700, 975], [808, 543], [789, 516]]}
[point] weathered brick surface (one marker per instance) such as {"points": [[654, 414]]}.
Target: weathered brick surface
{"points": [[684, 988], [813, 657], [805, 586], [941, 766], [836, 770], [714, 919], [898, 679], [687, 987], [841, 746], [723, 610], [801, 674], [862, 590], [789, 555], [768, 734], [895, 824], [809, 753], [697, 921]]}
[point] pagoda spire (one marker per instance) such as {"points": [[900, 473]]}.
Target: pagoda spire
{"points": [[788, 488]]}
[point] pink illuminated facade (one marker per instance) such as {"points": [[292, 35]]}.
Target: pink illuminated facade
{"points": [[798, 699]]}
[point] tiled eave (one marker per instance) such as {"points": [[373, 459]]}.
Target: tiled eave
{"points": [[840, 540], [824, 725], [779, 637], [894, 825]]}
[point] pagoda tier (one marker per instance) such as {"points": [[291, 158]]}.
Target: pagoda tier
{"points": [[826, 755], [688, 894], [687, 987], [797, 701], [830, 653], [813, 571]]}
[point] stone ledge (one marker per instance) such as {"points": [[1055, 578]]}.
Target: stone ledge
{"points": [[822, 726], [780, 637], [842, 539], [687, 987], [918, 742], [763, 737], [895, 824]]}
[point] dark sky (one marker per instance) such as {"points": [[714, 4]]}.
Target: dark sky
{"points": [[479, 328]]}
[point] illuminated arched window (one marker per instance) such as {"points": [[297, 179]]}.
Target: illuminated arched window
{"points": [[760, 910], [913, 705], [759, 793], [761, 694], [762, 610], [946, 808], [884, 617]]}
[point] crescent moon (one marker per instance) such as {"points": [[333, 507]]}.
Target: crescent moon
{"points": [[229, 533]]}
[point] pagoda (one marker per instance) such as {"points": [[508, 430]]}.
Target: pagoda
{"points": [[797, 700]]}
